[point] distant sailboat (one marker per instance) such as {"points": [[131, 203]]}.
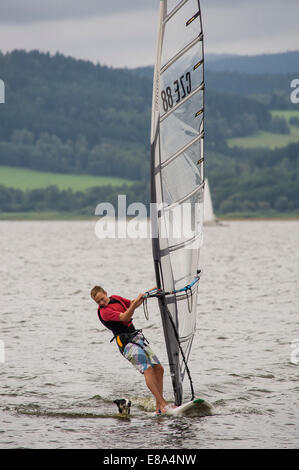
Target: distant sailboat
{"points": [[209, 216]]}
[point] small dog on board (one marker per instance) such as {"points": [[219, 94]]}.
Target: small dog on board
{"points": [[124, 406]]}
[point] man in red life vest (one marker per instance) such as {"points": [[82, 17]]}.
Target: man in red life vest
{"points": [[116, 313]]}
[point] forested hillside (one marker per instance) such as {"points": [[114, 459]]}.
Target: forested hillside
{"points": [[69, 116], [66, 115]]}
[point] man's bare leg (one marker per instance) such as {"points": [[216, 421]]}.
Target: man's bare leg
{"points": [[159, 373], [154, 381]]}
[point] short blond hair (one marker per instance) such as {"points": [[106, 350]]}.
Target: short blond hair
{"points": [[95, 290]]}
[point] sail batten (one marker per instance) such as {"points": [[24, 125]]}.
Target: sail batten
{"points": [[185, 198], [181, 53], [177, 177], [182, 150], [174, 11]]}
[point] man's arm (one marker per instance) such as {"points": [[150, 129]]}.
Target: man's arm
{"points": [[127, 315]]}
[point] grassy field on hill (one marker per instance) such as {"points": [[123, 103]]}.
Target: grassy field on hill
{"points": [[268, 139], [25, 179], [286, 114]]}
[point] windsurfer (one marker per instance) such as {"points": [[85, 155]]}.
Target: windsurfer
{"points": [[116, 313]]}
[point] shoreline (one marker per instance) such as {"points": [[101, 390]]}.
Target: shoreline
{"points": [[55, 216]]}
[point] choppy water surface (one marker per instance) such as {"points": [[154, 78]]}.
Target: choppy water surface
{"points": [[61, 374]]}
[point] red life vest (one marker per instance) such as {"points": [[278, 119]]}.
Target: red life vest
{"points": [[117, 327], [124, 333]]}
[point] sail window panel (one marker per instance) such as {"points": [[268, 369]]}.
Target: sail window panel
{"points": [[184, 265], [193, 249], [182, 175], [181, 78], [167, 274], [180, 230], [177, 34], [186, 347], [181, 262], [182, 227], [181, 127], [187, 321], [172, 4]]}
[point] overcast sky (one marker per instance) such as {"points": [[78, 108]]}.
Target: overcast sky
{"points": [[123, 32]]}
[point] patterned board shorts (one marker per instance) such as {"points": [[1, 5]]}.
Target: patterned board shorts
{"points": [[142, 356]]}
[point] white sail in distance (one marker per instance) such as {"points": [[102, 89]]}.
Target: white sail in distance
{"points": [[177, 177], [209, 216]]}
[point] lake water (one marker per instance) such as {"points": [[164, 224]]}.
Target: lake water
{"points": [[60, 374]]}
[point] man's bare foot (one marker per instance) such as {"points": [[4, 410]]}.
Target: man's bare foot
{"points": [[167, 407]]}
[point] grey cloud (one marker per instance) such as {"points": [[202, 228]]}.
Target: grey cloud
{"points": [[253, 27], [31, 11]]}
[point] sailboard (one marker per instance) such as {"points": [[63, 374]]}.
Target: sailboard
{"points": [[196, 407], [177, 180]]}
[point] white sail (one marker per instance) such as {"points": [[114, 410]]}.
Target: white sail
{"points": [[177, 177]]}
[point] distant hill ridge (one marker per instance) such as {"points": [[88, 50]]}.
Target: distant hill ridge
{"points": [[284, 62]]}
